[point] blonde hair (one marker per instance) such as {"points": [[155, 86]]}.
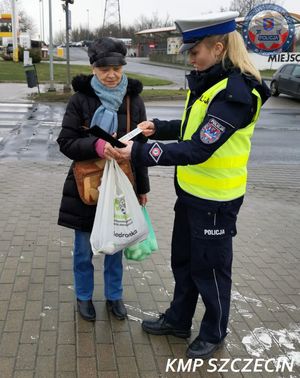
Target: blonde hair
{"points": [[235, 51]]}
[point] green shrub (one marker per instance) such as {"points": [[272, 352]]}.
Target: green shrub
{"points": [[7, 57], [35, 54], [20, 53]]}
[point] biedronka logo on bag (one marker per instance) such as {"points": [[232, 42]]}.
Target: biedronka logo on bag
{"points": [[122, 219]]}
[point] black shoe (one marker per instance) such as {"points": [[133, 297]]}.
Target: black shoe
{"points": [[117, 308], [86, 309], [162, 327], [202, 349]]}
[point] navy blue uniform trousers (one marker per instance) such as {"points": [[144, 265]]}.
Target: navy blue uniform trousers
{"points": [[201, 262]]}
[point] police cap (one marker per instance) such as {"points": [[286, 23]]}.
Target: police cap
{"points": [[193, 31]]}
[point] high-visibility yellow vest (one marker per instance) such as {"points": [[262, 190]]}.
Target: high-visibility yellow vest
{"points": [[223, 176]]}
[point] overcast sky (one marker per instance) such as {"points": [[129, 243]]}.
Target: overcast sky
{"points": [[92, 11]]}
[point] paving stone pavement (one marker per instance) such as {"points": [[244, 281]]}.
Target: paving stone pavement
{"points": [[41, 334]]}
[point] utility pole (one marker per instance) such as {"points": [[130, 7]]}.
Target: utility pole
{"points": [[88, 23], [51, 88], [42, 23], [15, 31], [67, 87]]}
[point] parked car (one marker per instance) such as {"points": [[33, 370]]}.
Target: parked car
{"points": [[286, 80], [86, 43], [9, 48]]}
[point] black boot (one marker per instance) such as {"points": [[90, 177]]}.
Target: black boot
{"points": [[117, 308], [86, 309], [162, 327], [202, 349]]}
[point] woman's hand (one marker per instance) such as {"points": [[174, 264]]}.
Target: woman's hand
{"points": [[109, 152], [142, 198], [147, 127], [125, 152], [105, 150]]}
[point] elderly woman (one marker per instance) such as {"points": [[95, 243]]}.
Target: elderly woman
{"points": [[100, 99]]}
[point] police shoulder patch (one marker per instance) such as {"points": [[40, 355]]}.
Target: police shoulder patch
{"points": [[211, 131], [155, 152]]}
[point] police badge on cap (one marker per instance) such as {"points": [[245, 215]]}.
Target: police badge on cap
{"points": [[193, 31]]}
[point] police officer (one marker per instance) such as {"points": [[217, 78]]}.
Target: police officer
{"points": [[222, 107]]}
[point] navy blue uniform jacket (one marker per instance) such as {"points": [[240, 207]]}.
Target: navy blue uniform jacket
{"points": [[232, 108]]}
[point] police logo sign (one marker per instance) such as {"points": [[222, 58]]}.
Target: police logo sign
{"points": [[155, 152], [211, 132], [268, 29]]}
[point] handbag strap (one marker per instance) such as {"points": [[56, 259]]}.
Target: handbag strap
{"points": [[127, 114]]}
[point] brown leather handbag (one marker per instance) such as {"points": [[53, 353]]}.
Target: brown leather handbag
{"points": [[88, 173]]}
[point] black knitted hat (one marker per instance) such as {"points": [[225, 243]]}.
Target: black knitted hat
{"points": [[107, 51]]}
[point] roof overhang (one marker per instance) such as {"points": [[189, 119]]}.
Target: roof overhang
{"points": [[165, 29]]}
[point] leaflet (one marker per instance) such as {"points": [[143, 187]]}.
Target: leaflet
{"points": [[130, 135]]}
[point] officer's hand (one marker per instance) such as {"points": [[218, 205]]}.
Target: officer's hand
{"points": [[147, 127], [125, 152]]}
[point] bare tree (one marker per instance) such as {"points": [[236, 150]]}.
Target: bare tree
{"points": [[59, 38], [81, 33], [244, 6], [5, 6], [26, 23], [152, 22]]}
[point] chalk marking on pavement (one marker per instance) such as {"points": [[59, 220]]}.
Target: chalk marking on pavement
{"points": [[261, 339], [9, 123], [236, 296], [15, 104], [134, 318], [290, 307]]}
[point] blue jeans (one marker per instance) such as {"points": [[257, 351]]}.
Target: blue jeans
{"points": [[84, 270]]}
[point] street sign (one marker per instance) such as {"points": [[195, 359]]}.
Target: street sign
{"points": [[173, 45], [60, 52], [27, 61], [69, 20]]}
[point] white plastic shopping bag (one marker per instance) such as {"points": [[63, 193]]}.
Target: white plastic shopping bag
{"points": [[119, 221]]}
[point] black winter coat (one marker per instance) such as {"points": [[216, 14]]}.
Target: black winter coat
{"points": [[77, 145]]}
